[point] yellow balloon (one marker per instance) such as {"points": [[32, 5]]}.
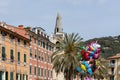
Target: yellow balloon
{"points": [[97, 63], [83, 67]]}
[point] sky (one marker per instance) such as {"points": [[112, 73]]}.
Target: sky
{"points": [[89, 18]]}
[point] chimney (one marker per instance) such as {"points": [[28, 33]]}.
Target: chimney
{"points": [[20, 26]]}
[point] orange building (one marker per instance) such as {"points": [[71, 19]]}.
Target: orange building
{"points": [[14, 54]]}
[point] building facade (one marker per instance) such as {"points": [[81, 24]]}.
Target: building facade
{"points": [[14, 50], [41, 49], [31, 50], [114, 67]]}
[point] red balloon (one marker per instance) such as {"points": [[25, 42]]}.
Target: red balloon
{"points": [[86, 56]]}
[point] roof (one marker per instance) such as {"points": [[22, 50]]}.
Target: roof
{"points": [[115, 57], [14, 33]]}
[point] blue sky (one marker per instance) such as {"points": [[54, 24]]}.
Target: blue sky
{"points": [[89, 18]]}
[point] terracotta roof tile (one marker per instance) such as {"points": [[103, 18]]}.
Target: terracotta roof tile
{"points": [[115, 57]]}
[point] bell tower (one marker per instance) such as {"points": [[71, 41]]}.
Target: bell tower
{"points": [[58, 34], [58, 31]]}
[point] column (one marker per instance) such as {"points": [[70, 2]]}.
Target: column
{"points": [[3, 76], [18, 76]]}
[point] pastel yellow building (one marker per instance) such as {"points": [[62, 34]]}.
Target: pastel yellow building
{"points": [[14, 54], [114, 67]]}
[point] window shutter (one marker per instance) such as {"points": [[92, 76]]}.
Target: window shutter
{"points": [[3, 50], [11, 76], [18, 56], [24, 57]]}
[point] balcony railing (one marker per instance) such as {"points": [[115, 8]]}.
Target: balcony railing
{"points": [[112, 64]]}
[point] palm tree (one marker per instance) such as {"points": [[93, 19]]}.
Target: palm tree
{"points": [[65, 58]]}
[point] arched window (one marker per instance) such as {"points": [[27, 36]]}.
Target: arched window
{"points": [[57, 30], [57, 45]]}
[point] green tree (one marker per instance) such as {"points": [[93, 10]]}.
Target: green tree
{"points": [[65, 58]]}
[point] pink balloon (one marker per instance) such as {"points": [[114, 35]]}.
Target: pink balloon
{"points": [[89, 79], [96, 56], [98, 50]]}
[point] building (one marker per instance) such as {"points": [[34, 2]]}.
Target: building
{"points": [[33, 58], [114, 67], [14, 54], [58, 34], [41, 49]]}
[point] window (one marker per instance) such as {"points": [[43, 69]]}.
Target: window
{"points": [[24, 43], [18, 41], [30, 52], [45, 57], [49, 59], [35, 53], [51, 73], [111, 77], [31, 38], [3, 35], [34, 70], [38, 71], [43, 44], [112, 63], [11, 38], [3, 53], [24, 58], [35, 40], [58, 44], [11, 55], [39, 43], [47, 46], [11, 76], [41, 71], [44, 72], [30, 69], [18, 57], [39, 55]]}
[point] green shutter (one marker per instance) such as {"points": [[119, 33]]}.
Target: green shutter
{"points": [[0, 75], [38, 71], [30, 69], [34, 70], [11, 53], [11, 76], [18, 56], [6, 75], [3, 50], [24, 57], [21, 76]]}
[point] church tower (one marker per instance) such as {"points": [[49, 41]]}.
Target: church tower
{"points": [[58, 31], [58, 26], [58, 34]]}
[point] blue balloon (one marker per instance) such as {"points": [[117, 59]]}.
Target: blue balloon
{"points": [[79, 69], [89, 71], [86, 64]]}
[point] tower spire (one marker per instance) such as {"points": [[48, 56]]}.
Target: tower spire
{"points": [[58, 26]]}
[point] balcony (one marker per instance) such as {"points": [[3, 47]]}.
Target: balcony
{"points": [[112, 64]]}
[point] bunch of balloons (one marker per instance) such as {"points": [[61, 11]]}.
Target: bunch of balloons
{"points": [[88, 58]]}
